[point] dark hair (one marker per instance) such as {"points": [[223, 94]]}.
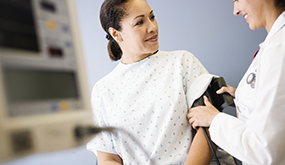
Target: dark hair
{"points": [[111, 15], [280, 4]]}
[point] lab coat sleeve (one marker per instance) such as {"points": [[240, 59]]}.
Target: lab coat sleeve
{"points": [[259, 140]]}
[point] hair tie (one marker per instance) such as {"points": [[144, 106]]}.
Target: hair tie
{"points": [[108, 36]]}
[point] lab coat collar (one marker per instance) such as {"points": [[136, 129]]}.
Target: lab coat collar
{"points": [[278, 24]]}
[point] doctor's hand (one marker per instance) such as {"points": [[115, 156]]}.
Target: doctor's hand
{"points": [[228, 89], [202, 116]]}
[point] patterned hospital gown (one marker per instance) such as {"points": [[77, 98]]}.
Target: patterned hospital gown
{"points": [[147, 102]]}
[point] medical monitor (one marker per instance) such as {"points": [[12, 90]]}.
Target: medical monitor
{"points": [[43, 85]]}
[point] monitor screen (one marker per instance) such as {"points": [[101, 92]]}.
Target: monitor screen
{"points": [[31, 85], [17, 25]]}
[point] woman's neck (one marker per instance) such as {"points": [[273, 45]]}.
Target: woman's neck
{"points": [[131, 58]]}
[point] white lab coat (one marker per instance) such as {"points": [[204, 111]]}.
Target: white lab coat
{"points": [[257, 137]]}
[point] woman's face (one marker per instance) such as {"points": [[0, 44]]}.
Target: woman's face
{"points": [[139, 34], [257, 13], [252, 11]]}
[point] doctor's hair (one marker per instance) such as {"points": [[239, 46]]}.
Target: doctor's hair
{"points": [[111, 15], [280, 4]]}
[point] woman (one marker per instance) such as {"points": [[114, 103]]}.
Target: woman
{"points": [[145, 96], [257, 136]]}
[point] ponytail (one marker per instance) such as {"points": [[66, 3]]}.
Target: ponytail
{"points": [[114, 50], [111, 14]]}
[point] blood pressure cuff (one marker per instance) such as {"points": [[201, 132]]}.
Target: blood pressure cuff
{"points": [[208, 84]]}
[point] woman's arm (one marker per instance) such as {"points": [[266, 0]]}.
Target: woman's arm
{"points": [[107, 158], [200, 152]]}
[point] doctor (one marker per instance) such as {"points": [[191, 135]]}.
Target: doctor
{"points": [[256, 137]]}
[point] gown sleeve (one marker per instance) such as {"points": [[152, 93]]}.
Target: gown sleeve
{"points": [[101, 141]]}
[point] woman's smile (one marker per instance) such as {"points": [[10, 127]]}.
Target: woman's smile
{"points": [[246, 17], [152, 39]]}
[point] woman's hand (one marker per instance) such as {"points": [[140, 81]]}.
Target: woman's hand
{"points": [[202, 116]]}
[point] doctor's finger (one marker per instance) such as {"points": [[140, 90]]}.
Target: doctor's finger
{"points": [[206, 101], [195, 123], [192, 123], [228, 89], [192, 112]]}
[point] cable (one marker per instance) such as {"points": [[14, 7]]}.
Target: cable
{"points": [[210, 144]]}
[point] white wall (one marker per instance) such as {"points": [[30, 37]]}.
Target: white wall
{"points": [[207, 28]]}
